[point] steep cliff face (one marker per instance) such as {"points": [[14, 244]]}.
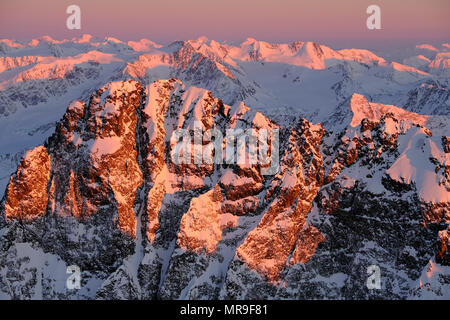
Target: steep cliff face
{"points": [[105, 193], [385, 177], [95, 161], [27, 191]]}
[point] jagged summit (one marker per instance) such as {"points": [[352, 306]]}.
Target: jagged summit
{"points": [[307, 77], [363, 109], [90, 172], [104, 193]]}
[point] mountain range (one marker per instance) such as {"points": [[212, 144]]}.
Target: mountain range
{"points": [[363, 178]]}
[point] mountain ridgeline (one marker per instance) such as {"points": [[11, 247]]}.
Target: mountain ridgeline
{"points": [[104, 194]]}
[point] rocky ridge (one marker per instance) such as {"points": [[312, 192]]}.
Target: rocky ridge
{"points": [[103, 193]]}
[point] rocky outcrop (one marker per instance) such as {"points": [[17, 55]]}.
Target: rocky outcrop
{"points": [[267, 247], [105, 193], [27, 190]]}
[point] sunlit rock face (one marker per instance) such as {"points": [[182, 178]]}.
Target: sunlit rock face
{"points": [[27, 190], [105, 193]]}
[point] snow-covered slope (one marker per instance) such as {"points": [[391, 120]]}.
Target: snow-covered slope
{"points": [[364, 168]]}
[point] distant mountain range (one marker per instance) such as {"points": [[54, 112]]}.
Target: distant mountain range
{"points": [[86, 129]]}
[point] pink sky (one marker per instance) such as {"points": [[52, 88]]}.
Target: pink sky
{"points": [[273, 20]]}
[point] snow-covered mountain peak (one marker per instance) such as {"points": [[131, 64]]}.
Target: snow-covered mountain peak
{"points": [[112, 39], [104, 193], [426, 46], [85, 38]]}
